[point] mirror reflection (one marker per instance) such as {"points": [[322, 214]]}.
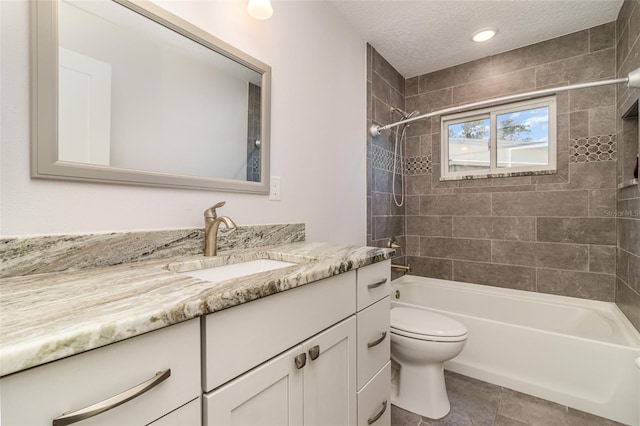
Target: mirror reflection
{"points": [[138, 95]]}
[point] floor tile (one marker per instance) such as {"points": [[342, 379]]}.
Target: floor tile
{"points": [[400, 417], [531, 410], [477, 403]]}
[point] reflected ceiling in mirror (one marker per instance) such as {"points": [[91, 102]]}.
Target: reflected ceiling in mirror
{"points": [[128, 93]]}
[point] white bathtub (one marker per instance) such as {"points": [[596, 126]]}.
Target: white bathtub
{"points": [[576, 352]]}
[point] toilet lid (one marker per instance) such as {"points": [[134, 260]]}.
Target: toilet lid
{"points": [[426, 323]]}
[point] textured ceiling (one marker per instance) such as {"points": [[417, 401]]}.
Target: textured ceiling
{"points": [[422, 36]]}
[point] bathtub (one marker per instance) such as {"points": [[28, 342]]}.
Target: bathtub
{"points": [[576, 352]]}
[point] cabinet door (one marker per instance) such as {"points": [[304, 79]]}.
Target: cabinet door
{"points": [[330, 376], [270, 394]]}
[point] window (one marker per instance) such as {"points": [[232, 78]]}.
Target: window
{"points": [[515, 138]]}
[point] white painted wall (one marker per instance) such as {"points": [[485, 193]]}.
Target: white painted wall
{"points": [[317, 133]]}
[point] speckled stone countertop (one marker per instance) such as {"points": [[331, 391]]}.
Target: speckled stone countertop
{"points": [[45, 317]]}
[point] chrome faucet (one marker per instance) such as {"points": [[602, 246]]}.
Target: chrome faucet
{"points": [[211, 224]]}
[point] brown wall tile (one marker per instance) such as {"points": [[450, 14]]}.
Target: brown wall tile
{"points": [[634, 273], [629, 302], [455, 205], [596, 175], [579, 69], [387, 227], [542, 53], [455, 248], [577, 230], [602, 202], [602, 259], [429, 267], [592, 97], [548, 203], [576, 284], [515, 277], [429, 226], [452, 225], [495, 228], [629, 235], [386, 70], [543, 255], [602, 37], [504, 84], [453, 76]]}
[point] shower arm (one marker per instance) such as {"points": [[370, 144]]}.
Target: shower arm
{"points": [[633, 80]]}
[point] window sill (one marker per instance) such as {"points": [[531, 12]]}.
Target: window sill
{"points": [[628, 183], [499, 175]]}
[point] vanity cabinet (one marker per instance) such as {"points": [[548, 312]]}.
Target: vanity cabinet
{"points": [[374, 344], [310, 384], [39, 395], [286, 359], [314, 355]]}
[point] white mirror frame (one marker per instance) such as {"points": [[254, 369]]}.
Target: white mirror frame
{"points": [[44, 107]]}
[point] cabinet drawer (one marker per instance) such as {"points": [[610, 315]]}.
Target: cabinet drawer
{"points": [[374, 400], [39, 395], [244, 336], [374, 283], [373, 340], [187, 415]]}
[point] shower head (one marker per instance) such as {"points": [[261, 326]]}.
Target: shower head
{"points": [[404, 114]]}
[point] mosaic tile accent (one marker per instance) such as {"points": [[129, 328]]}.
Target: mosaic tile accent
{"points": [[384, 159], [419, 165], [593, 148]]}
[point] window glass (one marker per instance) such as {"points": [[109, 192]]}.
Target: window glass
{"points": [[469, 145], [523, 138], [503, 140]]}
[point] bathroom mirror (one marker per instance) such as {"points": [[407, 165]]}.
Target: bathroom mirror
{"points": [[126, 92]]}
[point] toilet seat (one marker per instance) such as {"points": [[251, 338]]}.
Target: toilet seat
{"points": [[426, 325]]}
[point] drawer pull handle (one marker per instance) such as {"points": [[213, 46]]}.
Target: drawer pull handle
{"points": [[301, 360], [114, 401], [373, 419], [314, 352], [377, 284], [377, 341]]}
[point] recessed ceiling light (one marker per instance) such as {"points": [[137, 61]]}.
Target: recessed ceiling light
{"points": [[484, 34]]}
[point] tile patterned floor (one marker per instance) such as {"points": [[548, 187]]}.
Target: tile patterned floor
{"points": [[474, 402]]}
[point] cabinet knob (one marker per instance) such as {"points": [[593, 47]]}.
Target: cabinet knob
{"points": [[301, 360], [314, 352]]}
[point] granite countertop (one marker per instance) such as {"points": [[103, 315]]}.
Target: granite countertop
{"points": [[46, 317]]}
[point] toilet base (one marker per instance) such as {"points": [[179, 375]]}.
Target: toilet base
{"points": [[421, 390]]}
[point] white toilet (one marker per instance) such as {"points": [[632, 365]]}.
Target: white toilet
{"points": [[421, 341]]}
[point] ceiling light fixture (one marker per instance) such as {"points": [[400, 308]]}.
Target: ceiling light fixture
{"points": [[484, 34], [260, 9]]}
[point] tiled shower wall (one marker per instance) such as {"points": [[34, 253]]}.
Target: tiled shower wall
{"points": [[628, 205], [385, 89], [553, 234]]}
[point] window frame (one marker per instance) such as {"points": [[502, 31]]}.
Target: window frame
{"points": [[492, 112]]}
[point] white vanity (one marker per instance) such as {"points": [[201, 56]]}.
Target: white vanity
{"points": [[316, 354]]}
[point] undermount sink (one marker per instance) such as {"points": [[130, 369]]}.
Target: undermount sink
{"points": [[236, 270]]}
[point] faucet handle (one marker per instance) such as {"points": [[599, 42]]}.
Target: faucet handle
{"points": [[211, 211]]}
